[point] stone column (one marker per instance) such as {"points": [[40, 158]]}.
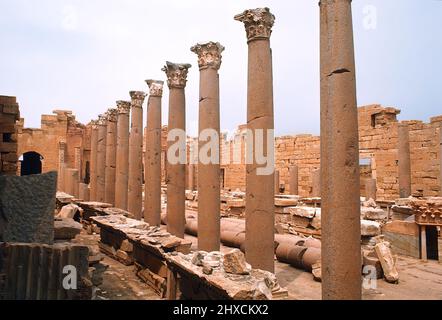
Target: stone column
{"points": [[404, 166], [101, 158], [423, 232], [78, 161], [152, 160], [209, 182], [260, 204], [135, 182], [176, 172], [370, 189], [111, 156], [191, 177], [93, 163], [277, 181], [84, 192], [122, 162], [316, 180], [73, 181], [293, 182], [61, 165], [340, 181]]}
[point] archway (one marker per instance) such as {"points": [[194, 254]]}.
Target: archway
{"points": [[31, 163]]}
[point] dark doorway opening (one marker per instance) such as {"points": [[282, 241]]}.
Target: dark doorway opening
{"points": [[31, 164], [432, 243], [87, 174]]}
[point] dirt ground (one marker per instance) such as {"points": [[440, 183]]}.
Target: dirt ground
{"points": [[418, 280]]}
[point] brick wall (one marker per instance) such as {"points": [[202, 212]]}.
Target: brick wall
{"points": [[9, 114]]}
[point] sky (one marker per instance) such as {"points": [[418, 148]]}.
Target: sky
{"points": [[83, 55]]}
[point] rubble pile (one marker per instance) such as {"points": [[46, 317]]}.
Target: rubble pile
{"points": [[230, 274]]}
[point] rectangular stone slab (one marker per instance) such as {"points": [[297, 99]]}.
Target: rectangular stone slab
{"points": [[27, 208]]}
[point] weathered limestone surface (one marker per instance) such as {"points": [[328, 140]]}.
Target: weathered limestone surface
{"points": [[260, 207], [93, 164], [111, 155], [176, 172], [316, 190], [152, 160], [340, 180], [293, 180], [370, 189], [27, 208], [209, 61], [101, 159], [66, 229], [134, 197], [404, 161], [122, 162]]}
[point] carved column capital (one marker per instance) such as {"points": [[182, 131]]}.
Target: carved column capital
{"points": [[102, 120], [155, 87], [176, 74], [123, 107], [258, 23], [112, 115], [209, 54], [137, 98]]}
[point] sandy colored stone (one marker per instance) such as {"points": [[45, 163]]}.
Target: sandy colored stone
{"points": [[235, 262], [388, 262]]}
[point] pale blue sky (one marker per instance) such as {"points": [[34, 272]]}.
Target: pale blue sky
{"points": [[84, 55]]}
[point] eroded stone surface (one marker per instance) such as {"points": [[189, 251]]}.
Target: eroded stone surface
{"points": [[27, 207]]}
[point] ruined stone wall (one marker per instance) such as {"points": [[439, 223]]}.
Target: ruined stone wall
{"points": [[9, 114], [378, 139], [57, 131]]}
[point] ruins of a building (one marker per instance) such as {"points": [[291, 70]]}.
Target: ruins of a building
{"points": [[366, 179]]}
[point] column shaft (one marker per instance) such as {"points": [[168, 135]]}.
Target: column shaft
{"points": [[404, 166], [293, 183], [209, 198], [277, 181], [101, 161], [370, 189], [176, 173], [152, 162], [340, 181], [111, 155], [316, 181], [134, 198], [122, 161], [93, 163], [440, 161]]}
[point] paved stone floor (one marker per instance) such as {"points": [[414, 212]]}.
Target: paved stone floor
{"points": [[418, 280]]}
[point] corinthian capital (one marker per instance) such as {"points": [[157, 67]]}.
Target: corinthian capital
{"points": [[137, 98], [123, 107], [258, 23], [112, 115], [176, 74], [209, 54], [102, 120], [155, 88]]}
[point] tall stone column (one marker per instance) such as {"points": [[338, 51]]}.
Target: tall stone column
{"points": [[93, 163], [176, 172], [101, 158], [152, 160], [191, 177], [277, 182], [340, 181], [370, 189], [209, 182], [83, 193], [316, 180], [111, 156], [404, 165], [122, 162], [135, 182], [260, 189], [293, 180], [61, 165]]}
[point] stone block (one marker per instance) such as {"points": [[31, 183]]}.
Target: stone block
{"points": [[27, 207]]}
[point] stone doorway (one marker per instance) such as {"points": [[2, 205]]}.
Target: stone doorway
{"points": [[30, 163], [432, 243]]}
